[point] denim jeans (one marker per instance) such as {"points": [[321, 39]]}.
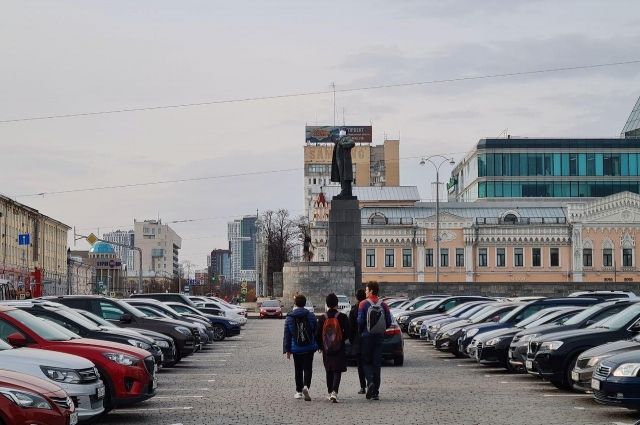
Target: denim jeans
{"points": [[371, 358]]}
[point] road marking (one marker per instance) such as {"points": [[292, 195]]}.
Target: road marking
{"points": [[182, 389], [566, 395], [150, 409], [178, 396]]}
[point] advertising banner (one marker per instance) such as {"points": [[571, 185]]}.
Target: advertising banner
{"points": [[321, 134]]}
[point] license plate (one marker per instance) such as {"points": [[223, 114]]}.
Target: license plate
{"points": [[529, 364], [100, 393], [73, 419], [575, 376], [154, 385], [595, 384]]}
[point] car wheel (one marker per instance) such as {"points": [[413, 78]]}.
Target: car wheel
{"points": [[398, 361], [219, 332]]}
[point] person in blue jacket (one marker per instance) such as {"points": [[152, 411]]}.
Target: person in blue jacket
{"points": [[299, 341]]}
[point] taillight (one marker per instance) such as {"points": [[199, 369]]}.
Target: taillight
{"points": [[393, 330]]}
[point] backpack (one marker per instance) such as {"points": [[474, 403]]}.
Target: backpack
{"points": [[376, 322], [331, 335], [301, 336]]}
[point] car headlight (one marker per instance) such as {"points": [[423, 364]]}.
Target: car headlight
{"points": [[627, 369], [494, 341], [593, 361], [140, 344], [162, 343], [419, 322], [25, 399], [232, 323], [525, 338], [183, 330], [445, 335], [472, 332], [551, 345], [69, 376], [402, 319], [434, 327], [122, 359]]}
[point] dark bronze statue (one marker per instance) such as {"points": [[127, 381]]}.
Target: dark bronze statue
{"points": [[341, 165]]}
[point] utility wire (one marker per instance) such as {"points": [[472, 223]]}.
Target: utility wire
{"points": [[320, 92]]}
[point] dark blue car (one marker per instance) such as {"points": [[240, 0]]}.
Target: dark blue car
{"points": [[616, 382], [221, 326]]}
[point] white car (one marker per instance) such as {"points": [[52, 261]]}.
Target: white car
{"points": [[344, 305], [77, 376], [230, 312]]}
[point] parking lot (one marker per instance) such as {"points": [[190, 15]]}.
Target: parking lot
{"points": [[246, 380]]}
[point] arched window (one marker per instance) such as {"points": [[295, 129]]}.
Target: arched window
{"points": [[378, 218], [510, 219]]}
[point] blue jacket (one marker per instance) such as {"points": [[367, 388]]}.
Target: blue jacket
{"points": [[289, 342]]}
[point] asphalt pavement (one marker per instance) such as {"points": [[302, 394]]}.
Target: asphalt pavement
{"points": [[246, 380]]}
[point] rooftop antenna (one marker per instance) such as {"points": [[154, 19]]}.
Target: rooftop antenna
{"points": [[343, 122], [333, 85]]}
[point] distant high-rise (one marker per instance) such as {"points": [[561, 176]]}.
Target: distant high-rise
{"points": [[632, 126], [242, 244], [160, 245], [124, 237], [220, 264]]}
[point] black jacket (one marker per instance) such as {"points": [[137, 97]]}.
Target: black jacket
{"points": [[336, 362]]}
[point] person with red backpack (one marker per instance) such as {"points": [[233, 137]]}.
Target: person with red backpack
{"points": [[333, 331]]}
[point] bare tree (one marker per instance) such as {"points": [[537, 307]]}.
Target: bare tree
{"points": [[281, 235]]}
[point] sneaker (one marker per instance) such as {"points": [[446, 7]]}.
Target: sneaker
{"points": [[375, 397], [370, 390], [334, 397], [297, 395], [362, 391], [305, 392], [329, 396]]}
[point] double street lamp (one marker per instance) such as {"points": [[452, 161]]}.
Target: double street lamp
{"points": [[437, 161]]}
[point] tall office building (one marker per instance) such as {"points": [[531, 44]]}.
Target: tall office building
{"points": [[160, 245], [372, 165], [220, 264], [124, 237], [242, 244]]}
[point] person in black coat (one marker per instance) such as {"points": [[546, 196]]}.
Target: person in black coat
{"points": [[331, 342], [354, 338]]}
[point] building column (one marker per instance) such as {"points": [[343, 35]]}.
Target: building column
{"points": [[576, 250], [420, 266], [469, 257]]}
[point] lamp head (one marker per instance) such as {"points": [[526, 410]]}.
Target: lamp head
{"points": [[422, 161], [452, 162]]}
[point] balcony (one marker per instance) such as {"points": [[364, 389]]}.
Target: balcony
{"points": [[523, 221]]}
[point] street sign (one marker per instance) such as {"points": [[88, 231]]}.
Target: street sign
{"points": [[23, 239], [92, 239], [243, 285], [186, 288]]}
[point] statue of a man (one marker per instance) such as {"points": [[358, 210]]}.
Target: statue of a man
{"points": [[341, 165]]}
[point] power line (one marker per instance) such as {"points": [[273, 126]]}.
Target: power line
{"points": [[320, 92]]}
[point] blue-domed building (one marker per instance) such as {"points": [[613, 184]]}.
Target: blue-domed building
{"points": [[109, 273]]}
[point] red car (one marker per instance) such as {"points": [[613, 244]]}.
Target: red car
{"points": [[271, 308], [26, 400], [128, 372]]}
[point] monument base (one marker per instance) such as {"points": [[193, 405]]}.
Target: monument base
{"points": [[345, 236], [316, 280]]}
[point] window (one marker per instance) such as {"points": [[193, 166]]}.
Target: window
{"points": [[536, 258], [389, 258], [607, 257], [518, 259], [627, 257], [587, 257], [444, 257], [500, 257], [554, 257], [459, 257], [429, 257], [371, 258], [110, 311], [482, 257], [406, 257], [510, 219]]}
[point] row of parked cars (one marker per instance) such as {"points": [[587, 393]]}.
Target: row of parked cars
{"points": [[69, 359], [587, 342]]}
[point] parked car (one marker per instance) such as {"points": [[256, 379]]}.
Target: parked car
{"points": [[76, 375], [271, 308], [421, 325], [221, 327], [616, 380], [555, 354], [31, 401], [344, 305], [397, 303], [442, 305], [608, 295], [589, 316], [69, 319], [128, 372], [414, 304], [230, 313], [127, 316], [392, 345], [166, 296]]}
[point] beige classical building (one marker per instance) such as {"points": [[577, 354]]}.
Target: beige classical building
{"points": [[576, 241], [37, 266]]}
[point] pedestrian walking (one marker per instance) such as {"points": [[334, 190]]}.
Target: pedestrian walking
{"points": [[374, 318], [300, 342], [333, 331], [354, 338]]}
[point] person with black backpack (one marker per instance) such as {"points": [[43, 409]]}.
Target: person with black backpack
{"points": [[333, 331], [374, 318], [300, 342]]}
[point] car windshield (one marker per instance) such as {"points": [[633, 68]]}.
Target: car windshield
{"points": [[470, 312], [551, 318], [96, 319], [619, 320], [130, 309], [343, 299], [153, 312], [78, 319], [44, 329], [271, 303], [427, 305], [534, 317], [583, 315]]}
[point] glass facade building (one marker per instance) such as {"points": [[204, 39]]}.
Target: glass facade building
{"points": [[632, 126]]}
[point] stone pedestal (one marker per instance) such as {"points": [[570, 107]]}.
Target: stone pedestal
{"points": [[345, 236], [315, 280]]}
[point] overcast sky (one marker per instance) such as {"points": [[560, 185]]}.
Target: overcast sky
{"points": [[65, 57]]}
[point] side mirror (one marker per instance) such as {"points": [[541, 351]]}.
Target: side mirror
{"points": [[495, 319], [590, 322], [441, 308], [635, 327], [16, 339], [126, 318]]}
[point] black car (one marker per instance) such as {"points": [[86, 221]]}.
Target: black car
{"points": [[221, 326], [494, 346], [127, 316], [441, 305], [616, 381], [589, 316], [555, 355], [166, 296], [165, 342], [465, 345], [79, 325], [392, 346]]}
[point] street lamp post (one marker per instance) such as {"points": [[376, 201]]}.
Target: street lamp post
{"points": [[439, 161]]}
